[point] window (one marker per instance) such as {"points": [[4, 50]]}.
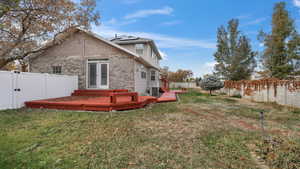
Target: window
{"points": [[56, 69], [152, 54], [155, 91], [153, 75], [139, 49], [143, 75]]}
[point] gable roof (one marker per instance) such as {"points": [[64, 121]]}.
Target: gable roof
{"points": [[135, 56], [124, 40]]}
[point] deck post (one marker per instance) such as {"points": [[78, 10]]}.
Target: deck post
{"points": [[113, 98], [134, 97]]}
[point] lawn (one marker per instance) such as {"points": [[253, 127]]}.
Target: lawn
{"points": [[198, 131]]}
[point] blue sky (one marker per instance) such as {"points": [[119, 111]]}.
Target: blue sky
{"points": [[185, 30]]}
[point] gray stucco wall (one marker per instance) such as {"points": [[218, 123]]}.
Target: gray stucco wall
{"points": [[74, 53], [140, 83], [147, 53]]}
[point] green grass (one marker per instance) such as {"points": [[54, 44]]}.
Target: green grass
{"points": [[199, 131]]}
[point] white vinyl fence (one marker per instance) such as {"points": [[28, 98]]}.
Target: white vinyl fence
{"points": [[183, 85], [19, 87], [283, 97]]}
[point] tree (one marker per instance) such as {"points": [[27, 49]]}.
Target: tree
{"points": [[234, 56], [27, 25], [7, 5], [180, 75], [211, 83], [164, 72], [281, 53], [198, 80]]}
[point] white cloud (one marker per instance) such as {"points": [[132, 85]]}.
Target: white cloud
{"points": [[244, 16], [112, 21], [148, 12], [115, 22], [206, 68], [210, 64], [254, 22], [296, 3], [130, 1], [163, 41], [171, 23], [163, 55]]}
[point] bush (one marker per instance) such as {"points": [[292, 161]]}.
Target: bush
{"points": [[211, 83]]}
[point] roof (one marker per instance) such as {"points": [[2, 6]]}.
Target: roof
{"points": [[135, 56], [124, 40]]}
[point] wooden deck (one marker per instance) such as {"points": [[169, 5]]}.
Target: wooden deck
{"points": [[104, 100]]}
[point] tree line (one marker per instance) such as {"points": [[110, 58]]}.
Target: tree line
{"points": [[180, 75], [236, 59]]}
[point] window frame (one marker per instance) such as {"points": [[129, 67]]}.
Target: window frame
{"points": [[152, 75], [57, 70], [140, 47], [153, 55], [143, 75]]}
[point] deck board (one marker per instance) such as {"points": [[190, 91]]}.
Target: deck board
{"points": [[100, 103]]}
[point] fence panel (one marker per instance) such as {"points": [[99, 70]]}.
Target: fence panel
{"points": [[283, 95], [17, 88], [31, 86], [60, 86], [6, 90], [183, 85]]}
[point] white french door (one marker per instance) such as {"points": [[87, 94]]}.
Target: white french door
{"points": [[97, 75]]}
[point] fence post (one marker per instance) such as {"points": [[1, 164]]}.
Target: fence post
{"points": [[262, 122], [45, 85]]}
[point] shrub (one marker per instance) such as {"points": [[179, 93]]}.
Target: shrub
{"points": [[211, 83]]}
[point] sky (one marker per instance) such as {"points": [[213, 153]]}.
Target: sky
{"points": [[185, 30]]}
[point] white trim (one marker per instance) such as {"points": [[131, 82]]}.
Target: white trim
{"points": [[98, 86]]}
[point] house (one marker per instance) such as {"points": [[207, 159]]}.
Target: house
{"points": [[122, 63], [146, 78]]}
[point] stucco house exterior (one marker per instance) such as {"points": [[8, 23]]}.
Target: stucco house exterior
{"points": [[120, 63]]}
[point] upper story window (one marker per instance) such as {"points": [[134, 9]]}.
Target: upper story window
{"points": [[139, 49], [153, 54], [56, 69], [143, 75], [153, 74]]}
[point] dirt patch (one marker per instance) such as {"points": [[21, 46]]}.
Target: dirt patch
{"points": [[246, 125]]}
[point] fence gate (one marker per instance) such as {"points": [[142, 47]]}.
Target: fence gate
{"points": [[7, 92], [19, 87]]}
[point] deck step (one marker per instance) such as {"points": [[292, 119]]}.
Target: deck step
{"points": [[97, 92], [98, 100]]}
